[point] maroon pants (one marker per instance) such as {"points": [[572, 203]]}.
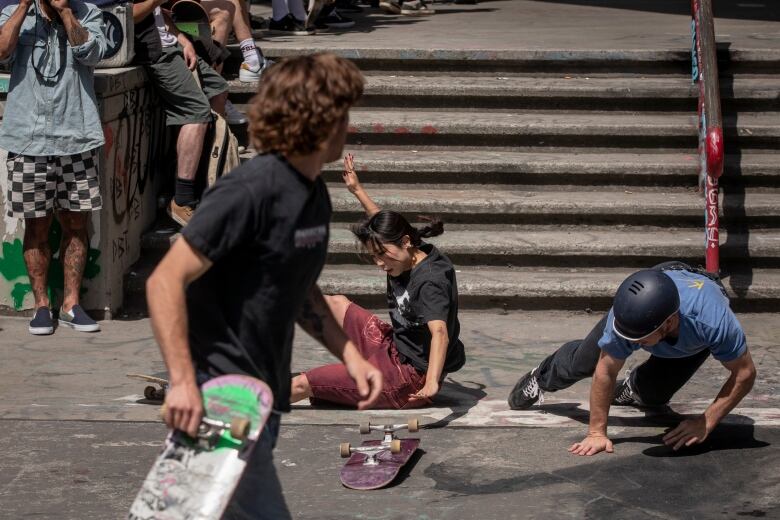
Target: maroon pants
{"points": [[374, 339]]}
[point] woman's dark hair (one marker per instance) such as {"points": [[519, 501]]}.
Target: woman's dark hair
{"points": [[390, 227]]}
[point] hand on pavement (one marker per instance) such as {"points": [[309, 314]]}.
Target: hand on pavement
{"points": [[592, 444], [687, 433], [184, 408], [426, 392]]}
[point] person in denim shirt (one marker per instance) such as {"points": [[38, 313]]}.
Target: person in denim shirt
{"points": [[51, 130]]}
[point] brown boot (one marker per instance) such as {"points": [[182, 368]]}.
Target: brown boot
{"points": [[181, 214]]}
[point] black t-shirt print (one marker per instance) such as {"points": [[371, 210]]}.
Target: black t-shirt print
{"points": [[428, 292], [265, 228]]}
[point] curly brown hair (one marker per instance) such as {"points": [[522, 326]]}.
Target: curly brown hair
{"points": [[301, 100]]}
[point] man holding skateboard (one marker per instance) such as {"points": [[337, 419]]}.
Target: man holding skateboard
{"points": [[226, 297], [678, 314]]}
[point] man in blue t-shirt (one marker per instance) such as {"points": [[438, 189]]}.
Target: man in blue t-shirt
{"points": [[680, 316]]}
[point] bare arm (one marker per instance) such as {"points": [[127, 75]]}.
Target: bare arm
{"points": [[601, 391], [355, 188], [9, 31], [695, 430], [440, 340], [165, 294], [77, 35]]}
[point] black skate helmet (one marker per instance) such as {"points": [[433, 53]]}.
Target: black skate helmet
{"points": [[643, 302]]}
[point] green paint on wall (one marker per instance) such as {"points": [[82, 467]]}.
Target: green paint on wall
{"points": [[12, 267]]}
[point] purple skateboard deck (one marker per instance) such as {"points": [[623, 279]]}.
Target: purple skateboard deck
{"points": [[355, 475]]}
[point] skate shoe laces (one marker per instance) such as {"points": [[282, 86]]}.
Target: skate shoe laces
{"points": [[526, 392]]}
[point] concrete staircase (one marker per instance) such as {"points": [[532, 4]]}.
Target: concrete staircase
{"points": [[557, 174]]}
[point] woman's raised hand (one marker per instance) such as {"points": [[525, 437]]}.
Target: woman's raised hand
{"points": [[350, 176]]}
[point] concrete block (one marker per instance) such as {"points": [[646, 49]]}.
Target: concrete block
{"points": [[132, 167]]}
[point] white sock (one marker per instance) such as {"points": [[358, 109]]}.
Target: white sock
{"points": [[297, 9], [251, 56], [279, 9]]}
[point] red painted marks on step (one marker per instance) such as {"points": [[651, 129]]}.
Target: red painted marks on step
{"points": [[378, 128], [428, 129], [402, 130]]}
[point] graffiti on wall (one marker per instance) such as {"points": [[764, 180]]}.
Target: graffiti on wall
{"points": [[133, 150]]}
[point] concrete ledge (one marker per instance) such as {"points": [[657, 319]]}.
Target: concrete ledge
{"points": [[513, 203], [575, 166], [541, 288], [581, 245]]}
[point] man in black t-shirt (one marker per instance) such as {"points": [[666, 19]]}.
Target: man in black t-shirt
{"points": [[226, 297]]}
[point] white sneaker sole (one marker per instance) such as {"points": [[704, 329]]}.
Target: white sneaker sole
{"points": [[41, 331], [247, 76], [81, 328]]}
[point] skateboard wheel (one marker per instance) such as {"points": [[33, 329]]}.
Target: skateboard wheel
{"points": [[414, 425], [150, 393], [345, 450], [365, 427], [395, 446], [239, 428]]}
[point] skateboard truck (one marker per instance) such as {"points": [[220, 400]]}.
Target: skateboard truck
{"points": [[211, 428], [389, 429], [155, 391], [371, 452]]}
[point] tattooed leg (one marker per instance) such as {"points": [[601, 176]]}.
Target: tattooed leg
{"points": [[37, 255], [73, 252]]}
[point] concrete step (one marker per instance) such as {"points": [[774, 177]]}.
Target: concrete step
{"points": [[574, 92], [543, 288], [379, 57], [584, 246], [532, 128], [497, 204], [575, 167]]}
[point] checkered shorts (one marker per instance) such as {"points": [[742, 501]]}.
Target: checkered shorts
{"points": [[38, 184]]}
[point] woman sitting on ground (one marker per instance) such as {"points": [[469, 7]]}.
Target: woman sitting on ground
{"points": [[422, 345]]}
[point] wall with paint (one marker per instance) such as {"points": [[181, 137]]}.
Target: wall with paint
{"points": [[132, 168]]}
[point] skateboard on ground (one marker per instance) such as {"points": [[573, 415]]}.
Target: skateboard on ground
{"points": [[194, 478], [191, 19], [153, 393], [375, 463]]}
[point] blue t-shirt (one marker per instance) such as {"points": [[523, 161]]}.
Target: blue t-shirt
{"points": [[706, 321]]}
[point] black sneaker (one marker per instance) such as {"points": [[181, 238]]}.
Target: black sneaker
{"points": [[526, 392], [289, 25], [624, 395], [78, 319], [334, 20], [42, 323]]}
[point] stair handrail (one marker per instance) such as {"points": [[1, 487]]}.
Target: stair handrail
{"points": [[704, 70]]}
